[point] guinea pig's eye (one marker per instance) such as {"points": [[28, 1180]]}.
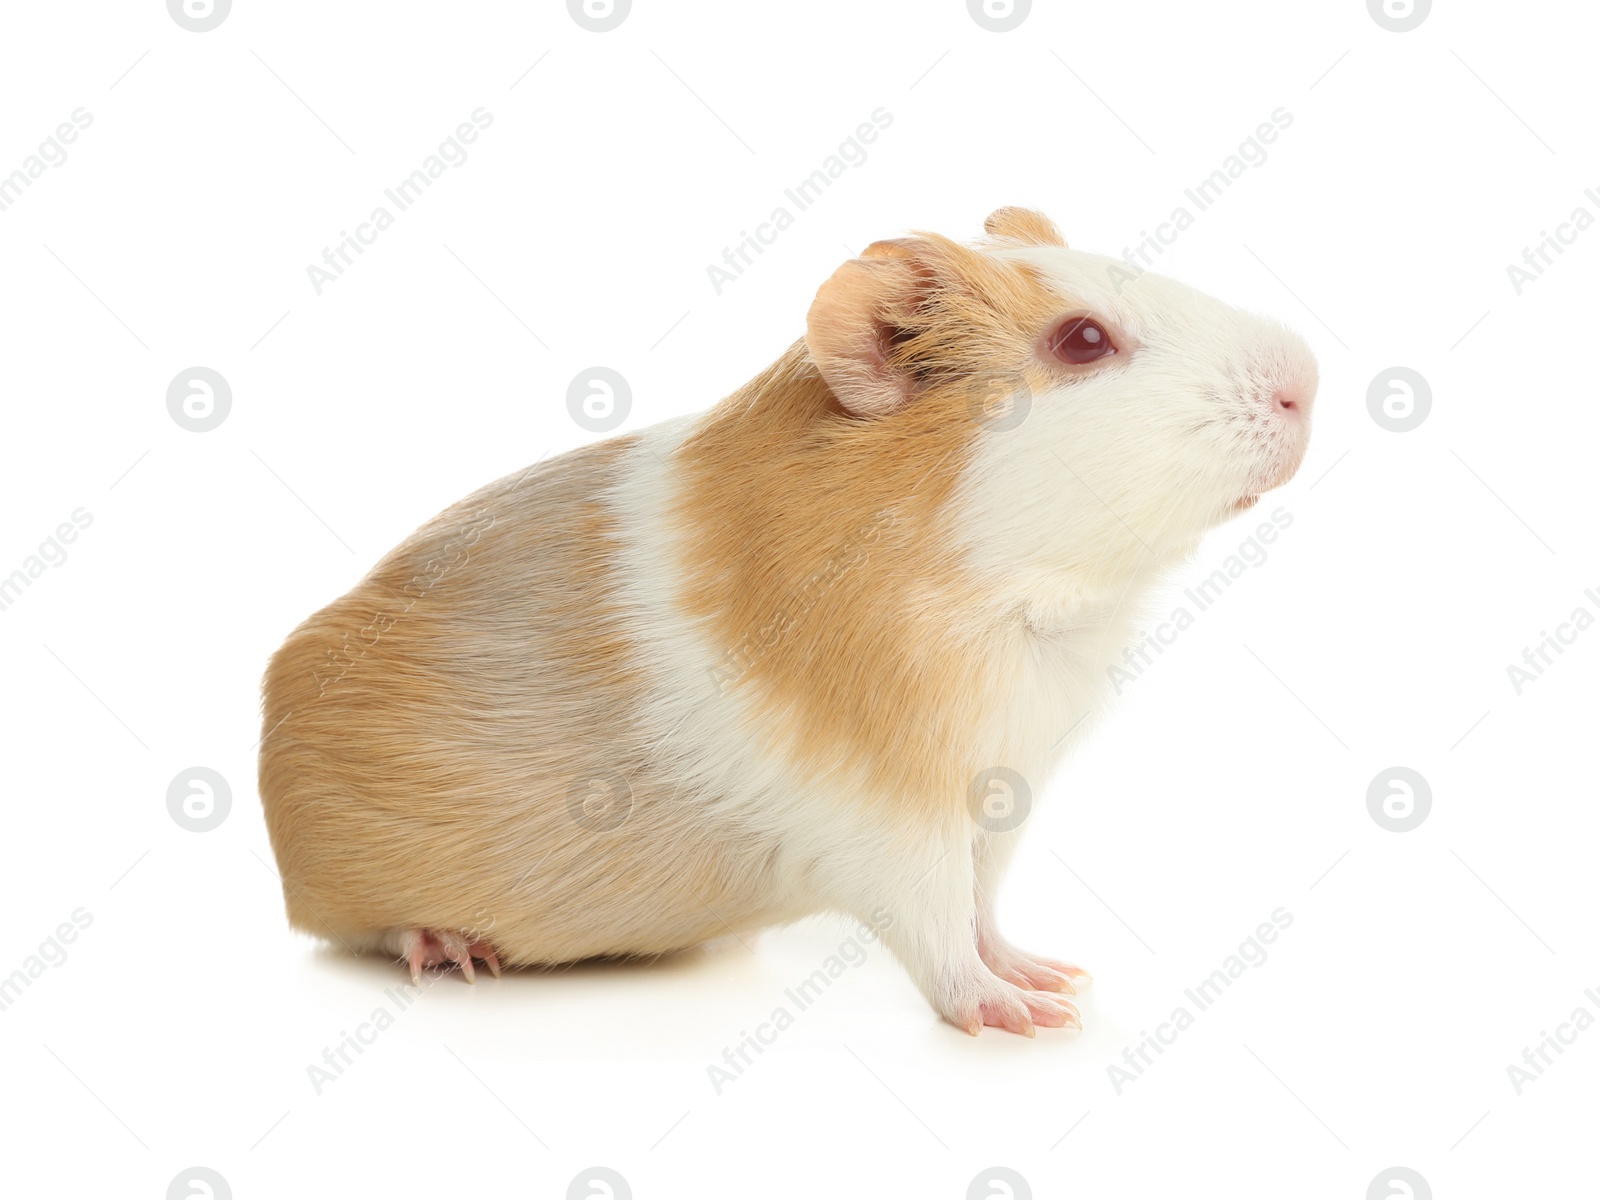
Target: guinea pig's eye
{"points": [[1081, 340]]}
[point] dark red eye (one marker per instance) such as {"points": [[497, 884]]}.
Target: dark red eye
{"points": [[1081, 340]]}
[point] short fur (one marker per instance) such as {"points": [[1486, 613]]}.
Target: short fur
{"points": [[782, 642]]}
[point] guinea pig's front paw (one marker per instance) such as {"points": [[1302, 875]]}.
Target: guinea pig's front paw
{"points": [[994, 1002], [1030, 971]]}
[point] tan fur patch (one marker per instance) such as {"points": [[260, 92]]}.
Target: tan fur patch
{"points": [[432, 735], [820, 540]]}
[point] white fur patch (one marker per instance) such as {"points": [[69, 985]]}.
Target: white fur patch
{"points": [[811, 835]]}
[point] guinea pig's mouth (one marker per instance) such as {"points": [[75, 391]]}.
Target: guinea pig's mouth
{"points": [[1278, 470]]}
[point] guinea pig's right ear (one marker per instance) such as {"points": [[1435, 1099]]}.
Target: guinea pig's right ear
{"points": [[858, 316], [1023, 225]]}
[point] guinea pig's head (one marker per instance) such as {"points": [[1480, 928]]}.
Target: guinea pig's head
{"points": [[1114, 415]]}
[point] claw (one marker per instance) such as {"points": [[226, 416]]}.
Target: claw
{"points": [[1041, 978], [486, 952], [424, 948], [1051, 1011], [1007, 1015], [457, 951], [1068, 1013]]}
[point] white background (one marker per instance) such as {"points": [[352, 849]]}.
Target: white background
{"points": [[1231, 779]]}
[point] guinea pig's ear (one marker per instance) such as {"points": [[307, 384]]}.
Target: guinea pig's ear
{"points": [[1025, 226], [858, 317]]}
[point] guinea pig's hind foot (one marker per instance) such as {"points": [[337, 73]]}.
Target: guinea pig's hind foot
{"points": [[421, 948]]}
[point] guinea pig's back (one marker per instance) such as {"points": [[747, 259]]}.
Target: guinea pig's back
{"points": [[436, 739]]}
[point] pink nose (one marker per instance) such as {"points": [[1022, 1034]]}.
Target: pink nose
{"points": [[1288, 400]]}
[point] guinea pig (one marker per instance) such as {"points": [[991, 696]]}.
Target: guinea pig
{"points": [[811, 650]]}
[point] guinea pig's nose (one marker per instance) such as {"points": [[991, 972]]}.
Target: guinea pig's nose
{"points": [[1291, 399]]}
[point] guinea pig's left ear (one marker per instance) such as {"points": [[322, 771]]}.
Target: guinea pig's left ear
{"points": [[859, 315]]}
